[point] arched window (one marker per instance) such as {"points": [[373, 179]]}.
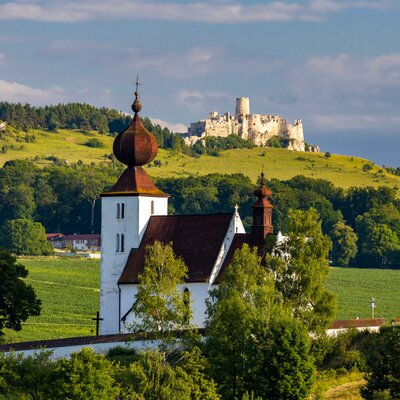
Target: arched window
{"points": [[118, 210], [122, 243], [186, 302], [117, 247], [123, 210], [152, 207]]}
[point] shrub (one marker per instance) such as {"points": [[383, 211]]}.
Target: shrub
{"points": [[95, 143]]}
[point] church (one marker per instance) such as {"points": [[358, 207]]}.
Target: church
{"points": [[134, 214]]}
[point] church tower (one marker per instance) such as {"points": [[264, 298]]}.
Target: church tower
{"points": [[125, 212], [262, 214]]}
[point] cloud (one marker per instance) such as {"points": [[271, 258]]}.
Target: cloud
{"points": [[206, 12], [181, 128], [200, 101], [346, 91], [2, 58], [17, 92]]}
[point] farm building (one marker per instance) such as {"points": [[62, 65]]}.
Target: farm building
{"points": [[89, 242], [135, 214]]}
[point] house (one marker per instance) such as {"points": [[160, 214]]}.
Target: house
{"points": [[87, 242], [135, 214], [83, 242], [56, 240]]}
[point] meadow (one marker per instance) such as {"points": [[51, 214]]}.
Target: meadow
{"points": [[69, 290], [69, 145]]}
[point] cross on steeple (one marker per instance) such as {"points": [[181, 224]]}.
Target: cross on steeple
{"points": [[137, 83], [97, 319]]}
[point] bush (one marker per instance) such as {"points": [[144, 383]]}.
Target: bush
{"points": [[95, 143]]}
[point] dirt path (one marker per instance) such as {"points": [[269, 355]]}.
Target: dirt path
{"points": [[347, 391]]}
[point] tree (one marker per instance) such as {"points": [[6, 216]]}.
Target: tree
{"points": [[253, 343], [25, 237], [383, 360], [300, 265], [18, 300], [344, 244], [84, 376], [153, 377], [160, 307]]}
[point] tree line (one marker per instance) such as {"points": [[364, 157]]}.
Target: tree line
{"points": [[362, 223]]}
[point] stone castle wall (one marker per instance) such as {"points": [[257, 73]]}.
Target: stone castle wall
{"points": [[256, 127]]}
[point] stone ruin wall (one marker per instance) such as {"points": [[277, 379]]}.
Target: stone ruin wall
{"points": [[256, 127]]}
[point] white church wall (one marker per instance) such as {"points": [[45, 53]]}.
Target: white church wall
{"points": [[130, 223]]}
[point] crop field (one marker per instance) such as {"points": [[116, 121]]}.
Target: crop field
{"points": [[354, 288], [69, 290]]}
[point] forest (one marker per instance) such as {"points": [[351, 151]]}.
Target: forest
{"points": [[362, 223]]}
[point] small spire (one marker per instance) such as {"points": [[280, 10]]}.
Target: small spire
{"points": [[236, 208], [137, 106]]}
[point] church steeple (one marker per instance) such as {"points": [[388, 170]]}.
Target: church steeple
{"points": [[135, 147], [262, 214]]}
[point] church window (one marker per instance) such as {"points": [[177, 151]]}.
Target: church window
{"points": [[118, 210], [122, 243], [152, 207], [186, 302], [117, 248], [123, 210]]}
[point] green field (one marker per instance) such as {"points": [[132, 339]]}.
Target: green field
{"points": [[343, 171], [69, 290], [354, 288]]}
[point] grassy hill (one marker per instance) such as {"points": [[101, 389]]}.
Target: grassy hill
{"points": [[344, 171]]}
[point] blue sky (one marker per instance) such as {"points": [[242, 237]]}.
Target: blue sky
{"points": [[333, 63]]}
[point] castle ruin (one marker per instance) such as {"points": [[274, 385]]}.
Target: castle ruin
{"points": [[256, 127]]}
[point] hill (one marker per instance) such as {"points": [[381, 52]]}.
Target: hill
{"points": [[69, 145]]}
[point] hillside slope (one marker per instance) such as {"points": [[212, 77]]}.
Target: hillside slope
{"points": [[343, 171]]}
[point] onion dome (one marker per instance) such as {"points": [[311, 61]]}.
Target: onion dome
{"points": [[262, 193], [135, 146]]}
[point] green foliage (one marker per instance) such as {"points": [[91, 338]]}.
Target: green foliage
{"points": [[214, 145], [278, 142], [255, 348], [25, 237], [84, 376], [344, 247], [300, 266], [327, 155], [159, 305], [30, 375], [96, 143], [152, 377], [18, 300], [383, 380]]}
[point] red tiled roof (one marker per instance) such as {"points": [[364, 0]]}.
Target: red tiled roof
{"points": [[82, 237], [53, 235], [134, 181], [357, 323], [195, 238]]}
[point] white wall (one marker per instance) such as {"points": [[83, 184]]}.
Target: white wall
{"points": [[137, 211]]}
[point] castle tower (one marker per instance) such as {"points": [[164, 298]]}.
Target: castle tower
{"points": [[242, 107], [262, 214], [125, 211]]}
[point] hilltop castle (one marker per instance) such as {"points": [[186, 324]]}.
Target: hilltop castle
{"points": [[257, 127]]}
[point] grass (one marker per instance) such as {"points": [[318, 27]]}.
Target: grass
{"points": [[69, 290], [354, 288], [343, 171]]}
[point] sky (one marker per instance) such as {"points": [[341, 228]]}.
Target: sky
{"points": [[333, 63]]}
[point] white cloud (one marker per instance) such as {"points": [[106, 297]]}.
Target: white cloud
{"points": [[207, 12], [2, 58], [17, 92], [181, 128]]}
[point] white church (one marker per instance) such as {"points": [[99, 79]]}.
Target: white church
{"points": [[135, 214]]}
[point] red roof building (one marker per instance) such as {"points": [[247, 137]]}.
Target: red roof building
{"points": [[135, 214]]}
